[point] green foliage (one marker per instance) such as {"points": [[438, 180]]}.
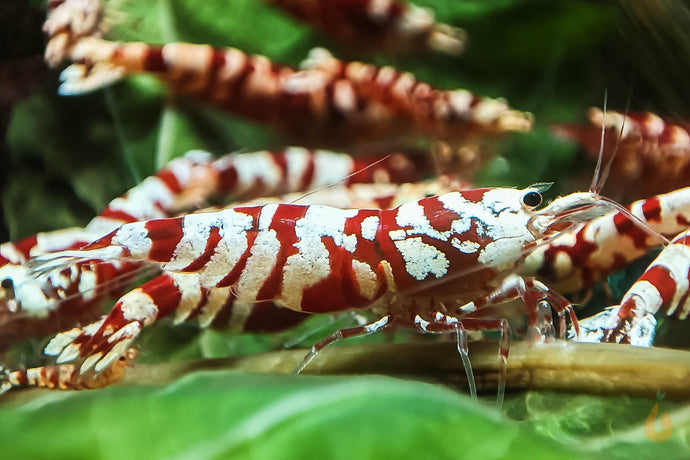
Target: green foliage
{"points": [[227, 415], [70, 156]]}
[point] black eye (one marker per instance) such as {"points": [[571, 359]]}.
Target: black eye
{"points": [[7, 283], [531, 199]]}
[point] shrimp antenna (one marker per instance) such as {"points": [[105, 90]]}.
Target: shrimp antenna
{"points": [[609, 163], [354, 173], [597, 183]]}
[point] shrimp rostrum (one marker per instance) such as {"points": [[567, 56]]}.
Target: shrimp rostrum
{"points": [[430, 265]]}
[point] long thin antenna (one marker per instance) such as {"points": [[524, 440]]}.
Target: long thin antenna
{"points": [[594, 187], [609, 163], [341, 180]]}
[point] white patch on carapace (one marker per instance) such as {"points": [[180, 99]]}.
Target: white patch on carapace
{"points": [[266, 216], [100, 225], [385, 76], [140, 202], [191, 57], [215, 301], [331, 168], [233, 243], [412, 215], [196, 229], [502, 254], [58, 240], [397, 234], [234, 64], [404, 85], [359, 72], [370, 226], [344, 97], [367, 281], [466, 210], [297, 160], [311, 263], [460, 100], [468, 247], [190, 294], [181, 167], [422, 259], [263, 256], [190, 158], [498, 216], [134, 237], [137, 305], [156, 191], [255, 167]]}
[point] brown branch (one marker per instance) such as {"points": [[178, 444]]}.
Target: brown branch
{"points": [[564, 366]]}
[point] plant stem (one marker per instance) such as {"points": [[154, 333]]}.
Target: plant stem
{"points": [[563, 366]]}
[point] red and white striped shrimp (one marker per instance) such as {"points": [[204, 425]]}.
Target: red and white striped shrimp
{"points": [[664, 287], [456, 114], [249, 85], [390, 25], [31, 307], [300, 103], [183, 294], [431, 264], [652, 153]]}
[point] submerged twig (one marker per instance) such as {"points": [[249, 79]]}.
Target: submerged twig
{"points": [[575, 367]]}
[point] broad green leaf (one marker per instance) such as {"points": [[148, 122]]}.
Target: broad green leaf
{"points": [[613, 426], [229, 415]]}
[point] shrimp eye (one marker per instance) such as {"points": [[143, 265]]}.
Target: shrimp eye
{"points": [[531, 199], [7, 291]]}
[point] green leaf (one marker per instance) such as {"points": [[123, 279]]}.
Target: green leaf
{"points": [[611, 426], [228, 415]]}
